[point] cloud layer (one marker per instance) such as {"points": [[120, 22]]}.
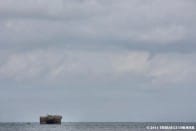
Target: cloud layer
{"points": [[96, 23], [61, 65]]}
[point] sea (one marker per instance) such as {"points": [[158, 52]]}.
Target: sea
{"points": [[100, 126]]}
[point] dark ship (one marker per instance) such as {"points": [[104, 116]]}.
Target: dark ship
{"points": [[50, 119]]}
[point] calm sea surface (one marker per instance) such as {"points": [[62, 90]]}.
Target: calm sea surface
{"points": [[98, 126]]}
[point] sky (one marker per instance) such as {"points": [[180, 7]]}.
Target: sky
{"points": [[98, 60]]}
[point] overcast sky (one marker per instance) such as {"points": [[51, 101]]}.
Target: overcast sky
{"points": [[98, 60]]}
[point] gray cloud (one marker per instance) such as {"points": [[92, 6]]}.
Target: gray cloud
{"points": [[62, 66], [98, 23]]}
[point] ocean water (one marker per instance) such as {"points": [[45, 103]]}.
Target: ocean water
{"points": [[99, 126]]}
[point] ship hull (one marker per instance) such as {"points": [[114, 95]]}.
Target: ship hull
{"points": [[50, 119]]}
